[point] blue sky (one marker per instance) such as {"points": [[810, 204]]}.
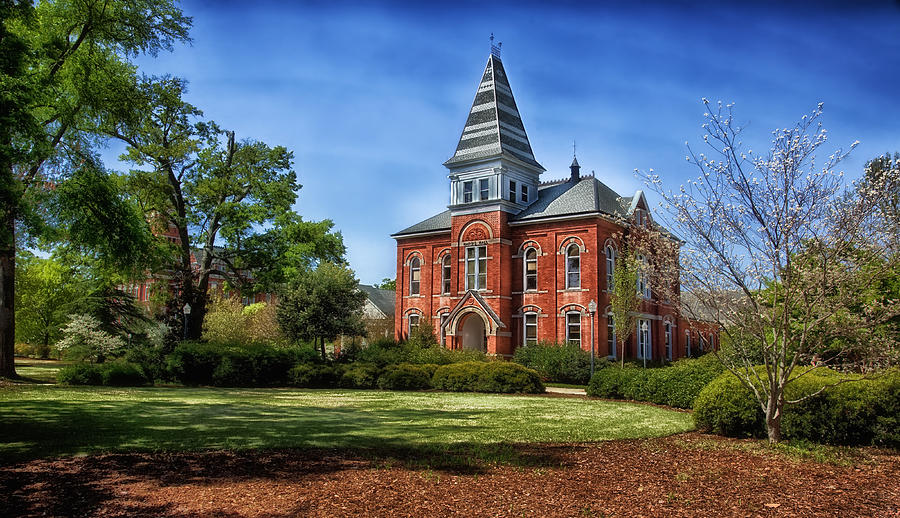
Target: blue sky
{"points": [[372, 97]]}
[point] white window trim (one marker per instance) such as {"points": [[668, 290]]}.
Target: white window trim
{"points": [[409, 323], [478, 272], [687, 343], [484, 189], [446, 264], [524, 195], [579, 326], [415, 265], [610, 268], [611, 323], [525, 326], [525, 269], [668, 332], [471, 193], [644, 341], [568, 272], [512, 191]]}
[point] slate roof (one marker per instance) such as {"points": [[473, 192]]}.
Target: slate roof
{"points": [[494, 127], [382, 299], [562, 198]]}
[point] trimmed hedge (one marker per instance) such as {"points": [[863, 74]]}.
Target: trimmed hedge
{"points": [[560, 363], [386, 352], [404, 377], [225, 365], [360, 376], [305, 375], [111, 374], [676, 386], [851, 413], [502, 377]]}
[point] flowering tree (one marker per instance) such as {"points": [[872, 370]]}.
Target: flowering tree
{"points": [[83, 339], [624, 300], [782, 255]]}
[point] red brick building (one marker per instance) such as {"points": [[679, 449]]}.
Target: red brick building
{"points": [[514, 261]]}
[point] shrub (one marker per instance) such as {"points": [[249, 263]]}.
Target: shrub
{"points": [[360, 375], [457, 377], [727, 407], [307, 375], [79, 374], [504, 377], [561, 363], [151, 360], [229, 321], [193, 363], [384, 352], [122, 374], [404, 377], [235, 369], [228, 365]]}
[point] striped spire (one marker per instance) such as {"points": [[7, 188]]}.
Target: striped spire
{"points": [[494, 127]]}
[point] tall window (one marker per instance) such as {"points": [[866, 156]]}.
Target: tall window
{"points": [[687, 343], [643, 285], [573, 267], [467, 192], [476, 268], [444, 317], [413, 324], [445, 274], [610, 268], [512, 191], [530, 332], [643, 335], [712, 343], [573, 327], [611, 335], [483, 190], [524, 193], [668, 328], [415, 275], [530, 269]]}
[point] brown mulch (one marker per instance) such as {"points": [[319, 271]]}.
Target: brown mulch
{"points": [[684, 475]]}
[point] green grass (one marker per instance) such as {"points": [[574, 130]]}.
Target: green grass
{"points": [[38, 371], [45, 421], [565, 385]]}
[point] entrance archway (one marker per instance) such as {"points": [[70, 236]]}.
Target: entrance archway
{"points": [[472, 335]]}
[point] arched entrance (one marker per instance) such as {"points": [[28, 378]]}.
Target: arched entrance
{"points": [[472, 335]]}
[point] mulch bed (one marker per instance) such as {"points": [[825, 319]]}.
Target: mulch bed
{"points": [[684, 475]]}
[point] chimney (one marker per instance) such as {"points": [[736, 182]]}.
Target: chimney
{"points": [[576, 170]]}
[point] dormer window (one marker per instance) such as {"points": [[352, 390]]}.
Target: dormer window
{"points": [[524, 194], [467, 192], [483, 189], [512, 191]]}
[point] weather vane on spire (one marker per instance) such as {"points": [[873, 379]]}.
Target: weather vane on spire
{"points": [[495, 49], [573, 149]]}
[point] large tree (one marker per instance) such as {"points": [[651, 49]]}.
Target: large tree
{"points": [[227, 203], [781, 253], [320, 304], [64, 66]]}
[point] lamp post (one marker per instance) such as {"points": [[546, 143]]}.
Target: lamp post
{"points": [[187, 319], [644, 343], [592, 308]]}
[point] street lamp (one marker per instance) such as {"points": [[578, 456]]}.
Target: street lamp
{"points": [[644, 341], [592, 308], [187, 319]]}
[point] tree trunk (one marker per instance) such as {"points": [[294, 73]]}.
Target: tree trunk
{"points": [[774, 415], [7, 294], [324, 358]]}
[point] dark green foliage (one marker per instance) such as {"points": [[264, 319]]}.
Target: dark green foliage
{"points": [[79, 374], [151, 359], [122, 374], [676, 386], [385, 352], [457, 377], [404, 377], [851, 413], [727, 407], [306, 375], [360, 375], [487, 377], [430, 368], [258, 365], [560, 363], [112, 374], [504, 377]]}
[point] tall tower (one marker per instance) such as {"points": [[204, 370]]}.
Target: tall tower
{"points": [[493, 167]]}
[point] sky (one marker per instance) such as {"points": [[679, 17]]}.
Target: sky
{"points": [[372, 97]]}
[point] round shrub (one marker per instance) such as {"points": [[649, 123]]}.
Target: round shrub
{"points": [[504, 377], [193, 363], [306, 375], [80, 374], [457, 377], [404, 377], [360, 375], [122, 374], [235, 369], [727, 407], [610, 383]]}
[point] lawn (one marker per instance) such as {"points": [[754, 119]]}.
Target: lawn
{"points": [[42, 421]]}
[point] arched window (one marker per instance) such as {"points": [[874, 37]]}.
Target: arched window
{"points": [[643, 285], [415, 275], [643, 339], [445, 274], [687, 343], [413, 324], [712, 342], [611, 335], [530, 329], [444, 317], [573, 267], [668, 328], [573, 327], [530, 269], [610, 268]]}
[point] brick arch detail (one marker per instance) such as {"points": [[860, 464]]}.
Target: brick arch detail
{"points": [[476, 230], [572, 306], [439, 256], [531, 243], [570, 240], [610, 243], [409, 257], [530, 308], [453, 324]]}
